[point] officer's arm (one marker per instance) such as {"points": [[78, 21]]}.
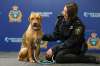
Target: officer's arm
{"points": [[55, 35]]}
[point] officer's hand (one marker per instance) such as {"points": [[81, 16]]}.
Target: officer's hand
{"points": [[49, 54]]}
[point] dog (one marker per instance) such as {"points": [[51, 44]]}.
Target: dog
{"points": [[31, 39]]}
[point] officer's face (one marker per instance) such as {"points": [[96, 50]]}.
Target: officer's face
{"points": [[65, 12], [65, 9]]}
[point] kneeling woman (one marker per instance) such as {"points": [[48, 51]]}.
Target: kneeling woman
{"points": [[70, 31]]}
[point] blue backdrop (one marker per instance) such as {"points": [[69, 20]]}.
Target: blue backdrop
{"points": [[11, 33]]}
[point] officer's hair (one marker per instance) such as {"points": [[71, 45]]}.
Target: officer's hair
{"points": [[72, 9]]}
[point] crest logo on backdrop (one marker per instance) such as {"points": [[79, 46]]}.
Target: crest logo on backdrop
{"points": [[15, 15]]}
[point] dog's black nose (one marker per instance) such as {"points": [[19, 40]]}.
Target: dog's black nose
{"points": [[35, 24]]}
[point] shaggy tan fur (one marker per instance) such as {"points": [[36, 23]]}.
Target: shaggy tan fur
{"points": [[31, 37]]}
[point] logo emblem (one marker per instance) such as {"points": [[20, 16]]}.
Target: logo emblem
{"points": [[93, 41], [15, 15]]}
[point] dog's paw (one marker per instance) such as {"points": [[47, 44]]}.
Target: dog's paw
{"points": [[20, 59], [31, 61]]}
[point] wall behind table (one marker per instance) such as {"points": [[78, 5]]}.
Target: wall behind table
{"points": [[11, 33]]}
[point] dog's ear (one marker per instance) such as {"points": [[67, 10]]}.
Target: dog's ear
{"points": [[29, 18], [40, 18]]}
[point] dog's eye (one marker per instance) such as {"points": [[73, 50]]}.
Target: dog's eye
{"points": [[37, 18], [32, 18]]}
